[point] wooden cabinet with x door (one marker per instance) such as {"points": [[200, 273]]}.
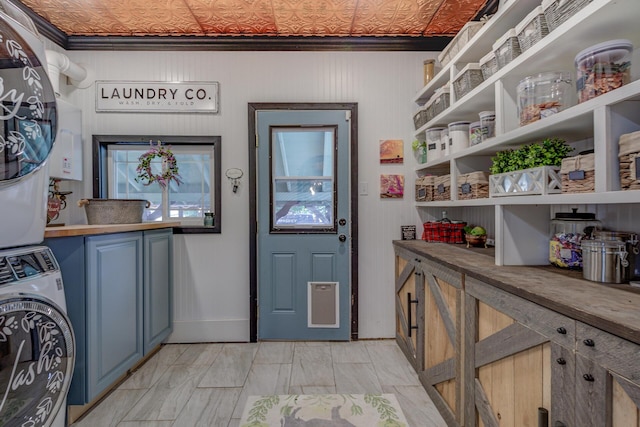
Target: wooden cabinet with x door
{"points": [[428, 327]]}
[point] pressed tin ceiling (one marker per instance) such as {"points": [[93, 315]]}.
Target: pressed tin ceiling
{"points": [[93, 21]]}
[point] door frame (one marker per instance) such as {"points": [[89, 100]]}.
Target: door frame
{"points": [[254, 108]]}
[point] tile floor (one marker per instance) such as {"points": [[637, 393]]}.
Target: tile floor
{"points": [[188, 385]]}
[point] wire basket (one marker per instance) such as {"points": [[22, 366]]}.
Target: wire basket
{"points": [[558, 11], [488, 65], [469, 78], [532, 29], [506, 48]]}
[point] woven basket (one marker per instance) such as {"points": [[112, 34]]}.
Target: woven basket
{"points": [[464, 35], [474, 185], [424, 188], [578, 174], [558, 11], [467, 79], [629, 155], [532, 29], [442, 188]]}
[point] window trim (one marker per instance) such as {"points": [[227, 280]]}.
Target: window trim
{"points": [[100, 168]]}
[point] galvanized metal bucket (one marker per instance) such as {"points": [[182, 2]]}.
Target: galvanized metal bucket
{"points": [[114, 211]]}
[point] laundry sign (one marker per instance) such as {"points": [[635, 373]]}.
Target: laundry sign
{"points": [[180, 97]]}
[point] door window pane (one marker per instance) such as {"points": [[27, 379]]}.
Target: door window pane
{"points": [[303, 178]]}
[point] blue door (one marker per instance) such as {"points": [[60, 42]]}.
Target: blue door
{"points": [[303, 231]]}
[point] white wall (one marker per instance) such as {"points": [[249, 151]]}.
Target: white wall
{"points": [[212, 271]]}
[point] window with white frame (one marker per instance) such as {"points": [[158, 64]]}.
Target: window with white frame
{"points": [[199, 174]]}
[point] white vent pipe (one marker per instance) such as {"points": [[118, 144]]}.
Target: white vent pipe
{"points": [[59, 63]]}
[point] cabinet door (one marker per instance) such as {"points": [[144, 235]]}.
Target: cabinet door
{"points": [[114, 313], [158, 287], [607, 379], [442, 338], [508, 347], [409, 289]]}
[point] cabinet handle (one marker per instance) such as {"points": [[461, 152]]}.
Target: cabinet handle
{"points": [[417, 260], [561, 330], [417, 273], [410, 301], [561, 361], [588, 377], [589, 342], [543, 417]]}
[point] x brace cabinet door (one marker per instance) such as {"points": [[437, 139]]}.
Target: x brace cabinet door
{"points": [[442, 317], [409, 295]]}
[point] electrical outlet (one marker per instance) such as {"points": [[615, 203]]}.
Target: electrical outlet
{"points": [[491, 242]]}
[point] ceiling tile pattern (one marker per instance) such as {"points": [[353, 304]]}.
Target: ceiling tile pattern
{"points": [[257, 17]]}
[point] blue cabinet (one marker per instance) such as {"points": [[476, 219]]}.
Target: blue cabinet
{"points": [[114, 272], [119, 299], [158, 287]]}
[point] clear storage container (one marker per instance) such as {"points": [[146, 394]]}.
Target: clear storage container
{"points": [[433, 144], [487, 124], [602, 68], [543, 95], [458, 136], [475, 133], [568, 229]]}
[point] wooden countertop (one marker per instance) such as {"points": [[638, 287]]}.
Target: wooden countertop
{"points": [[612, 308], [86, 230]]}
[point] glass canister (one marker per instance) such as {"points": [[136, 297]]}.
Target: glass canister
{"points": [[602, 68], [208, 219], [487, 124], [429, 70], [543, 95], [475, 133], [568, 229]]}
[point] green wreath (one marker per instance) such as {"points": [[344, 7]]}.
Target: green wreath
{"points": [[169, 167]]}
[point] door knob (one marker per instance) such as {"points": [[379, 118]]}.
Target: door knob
{"points": [[342, 238]]}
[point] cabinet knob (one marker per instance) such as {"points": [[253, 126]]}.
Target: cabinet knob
{"points": [[561, 361], [589, 342], [561, 330], [588, 377]]}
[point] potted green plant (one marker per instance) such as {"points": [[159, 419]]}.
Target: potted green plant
{"points": [[531, 169]]}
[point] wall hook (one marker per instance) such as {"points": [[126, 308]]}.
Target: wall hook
{"points": [[234, 175]]}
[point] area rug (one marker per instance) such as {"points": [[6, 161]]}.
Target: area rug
{"points": [[323, 410]]}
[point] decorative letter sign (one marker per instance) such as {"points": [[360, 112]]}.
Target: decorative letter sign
{"points": [[157, 97]]}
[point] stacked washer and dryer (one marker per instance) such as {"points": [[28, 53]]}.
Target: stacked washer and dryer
{"points": [[37, 351]]}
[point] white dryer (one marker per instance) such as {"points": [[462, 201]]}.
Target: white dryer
{"points": [[37, 351], [37, 348]]}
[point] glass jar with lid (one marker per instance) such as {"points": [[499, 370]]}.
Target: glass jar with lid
{"points": [[568, 229]]}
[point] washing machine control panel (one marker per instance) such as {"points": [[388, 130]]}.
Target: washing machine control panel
{"points": [[19, 266]]}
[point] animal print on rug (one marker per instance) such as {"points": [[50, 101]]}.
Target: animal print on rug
{"points": [[323, 410]]}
